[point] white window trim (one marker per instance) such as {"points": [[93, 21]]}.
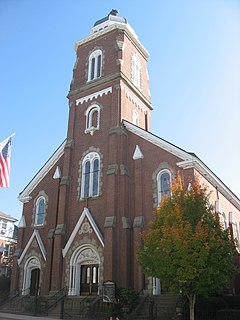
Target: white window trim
{"points": [[89, 128], [94, 55], [159, 193], [136, 71], [90, 157], [36, 211]]}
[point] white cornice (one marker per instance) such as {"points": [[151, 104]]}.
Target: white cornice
{"points": [[94, 95], [86, 213], [189, 161], [135, 101], [125, 27], [24, 196], [212, 178], [36, 235], [163, 144]]}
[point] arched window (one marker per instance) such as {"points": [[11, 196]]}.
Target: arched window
{"points": [[135, 118], [40, 211], [136, 71], [95, 65], [92, 119], [163, 184], [236, 232], [90, 175]]}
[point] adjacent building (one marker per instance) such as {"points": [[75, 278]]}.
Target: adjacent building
{"points": [[8, 241]]}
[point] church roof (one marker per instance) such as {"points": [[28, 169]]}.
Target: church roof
{"points": [[24, 195], [7, 217], [189, 160]]}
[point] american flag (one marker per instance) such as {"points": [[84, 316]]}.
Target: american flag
{"points": [[5, 155]]}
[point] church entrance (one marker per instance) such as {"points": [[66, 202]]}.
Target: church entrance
{"points": [[34, 283], [31, 276], [89, 279], [84, 271]]}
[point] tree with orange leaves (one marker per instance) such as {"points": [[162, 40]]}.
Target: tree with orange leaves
{"points": [[186, 247]]}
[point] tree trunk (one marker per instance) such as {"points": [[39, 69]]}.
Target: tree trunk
{"points": [[192, 300]]}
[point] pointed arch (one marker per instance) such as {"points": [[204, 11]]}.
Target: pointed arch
{"points": [[31, 276], [84, 273]]}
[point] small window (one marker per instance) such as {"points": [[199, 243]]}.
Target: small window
{"points": [[92, 119], [40, 211], [136, 71], [4, 227], [7, 250], [90, 175], [95, 65], [236, 232], [224, 221], [135, 118], [163, 184]]}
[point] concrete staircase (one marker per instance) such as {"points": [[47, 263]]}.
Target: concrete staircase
{"points": [[161, 307]]}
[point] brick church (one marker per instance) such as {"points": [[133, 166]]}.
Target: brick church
{"points": [[85, 209]]}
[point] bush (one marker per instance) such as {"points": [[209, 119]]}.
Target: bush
{"points": [[127, 298], [4, 284]]}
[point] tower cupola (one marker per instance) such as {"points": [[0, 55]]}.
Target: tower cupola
{"points": [[111, 19]]}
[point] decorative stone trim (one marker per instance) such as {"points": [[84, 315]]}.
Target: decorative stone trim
{"points": [[120, 45], [50, 233], [69, 144], [135, 102], [110, 222], [119, 130], [65, 181], [138, 153], [124, 170], [138, 222], [126, 223], [112, 169], [119, 62], [60, 229], [94, 95]]}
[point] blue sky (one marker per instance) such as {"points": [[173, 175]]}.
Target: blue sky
{"points": [[194, 71]]}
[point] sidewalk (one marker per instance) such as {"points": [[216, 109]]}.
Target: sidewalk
{"points": [[9, 316]]}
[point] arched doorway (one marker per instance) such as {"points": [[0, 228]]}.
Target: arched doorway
{"points": [[34, 281], [31, 276], [84, 271]]}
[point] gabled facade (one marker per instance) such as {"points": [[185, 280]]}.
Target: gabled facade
{"points": [[84, 211]]}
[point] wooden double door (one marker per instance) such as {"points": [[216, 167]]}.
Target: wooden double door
{"points": [[89, 279]]}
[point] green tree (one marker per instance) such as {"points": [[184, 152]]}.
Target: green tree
{"points": [[186, 247]]}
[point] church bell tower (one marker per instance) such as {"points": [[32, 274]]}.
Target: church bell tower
{"points": [[110, 84]]}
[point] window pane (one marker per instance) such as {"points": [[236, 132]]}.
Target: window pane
{"points": [[40, 211], [95, 177], [94, 119], [94, 277], [86, 179], [88, 275], [92, 68], [99, 65], [165, 184]]}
